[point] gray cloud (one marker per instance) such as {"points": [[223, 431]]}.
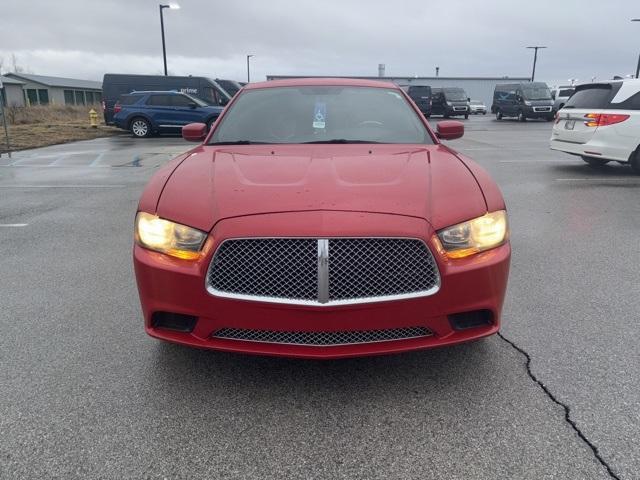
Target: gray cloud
{"points": [[83, 38]]}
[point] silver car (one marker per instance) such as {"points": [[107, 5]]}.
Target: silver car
{"points": [[561, 95], [476, 106]]}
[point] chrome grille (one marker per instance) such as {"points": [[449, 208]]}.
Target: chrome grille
{"points": [[273, 267], [322, 338], [379, 267], [323, 271]]}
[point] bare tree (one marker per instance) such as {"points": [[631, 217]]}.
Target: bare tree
{"points": [[14, 63]]}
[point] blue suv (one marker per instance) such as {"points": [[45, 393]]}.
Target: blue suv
{"points": [[146, 113]]}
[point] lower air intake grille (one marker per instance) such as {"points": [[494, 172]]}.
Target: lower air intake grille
{"points": [[322, 338]]}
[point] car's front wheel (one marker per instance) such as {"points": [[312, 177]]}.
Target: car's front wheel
{"points": [[521, 117], [595, 162], [140, 127], [466, 116], [498, 115]]}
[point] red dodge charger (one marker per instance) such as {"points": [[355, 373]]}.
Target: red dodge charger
{"points": [[321, 218]]}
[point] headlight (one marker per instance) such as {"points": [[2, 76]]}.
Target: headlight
{"points": [[449, 103], [527, 103], [482, 233], [167, 237]]}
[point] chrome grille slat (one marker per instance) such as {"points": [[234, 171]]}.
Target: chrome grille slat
{"points": [[331, 271], [319, 339]]}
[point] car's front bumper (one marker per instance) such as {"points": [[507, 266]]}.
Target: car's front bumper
{"points": [[171, 285]]}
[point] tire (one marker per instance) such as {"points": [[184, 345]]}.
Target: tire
{"points": [[498, 115], [484, 113], [595, 162], [466, 116], [140, 127], [635, 162], [521, 117]]}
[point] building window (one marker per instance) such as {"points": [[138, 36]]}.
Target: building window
{"points": [[43, 97], [68, 97], [32, 96], [79, 97], [89, 96]]}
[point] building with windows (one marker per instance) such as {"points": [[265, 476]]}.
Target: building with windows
{"points": [[11, 94], [44, 90]]}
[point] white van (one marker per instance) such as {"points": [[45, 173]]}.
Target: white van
{"points": [[601, 123]]}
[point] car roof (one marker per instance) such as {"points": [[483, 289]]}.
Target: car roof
{"points": [[321, 82]]}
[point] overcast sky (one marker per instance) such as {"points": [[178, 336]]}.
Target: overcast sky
{"points": [[86, 38]]}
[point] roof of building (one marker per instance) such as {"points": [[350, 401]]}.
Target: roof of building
{"points": [[57, 81], [10, 81]]}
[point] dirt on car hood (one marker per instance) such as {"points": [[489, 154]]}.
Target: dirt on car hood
{"points": [[215, 183]]}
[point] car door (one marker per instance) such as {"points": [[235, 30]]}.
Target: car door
{"points": [[184, 111], [160, 110], [437, 99]]}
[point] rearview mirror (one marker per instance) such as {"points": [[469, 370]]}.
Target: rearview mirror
{"points": [[194, 132], [449, 129]]}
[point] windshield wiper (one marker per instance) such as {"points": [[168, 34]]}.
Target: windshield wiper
{"points": [[238, 142], [341, 140]]}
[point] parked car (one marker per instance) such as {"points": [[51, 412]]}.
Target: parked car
{"points": [[331, 224], [230, 86], [560, 96], [114, 85], [449, 102], [601, 123], [145, 113], [522, 100], [421, 96], [476, 106]]}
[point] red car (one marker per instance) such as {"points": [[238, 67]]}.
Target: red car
{"points": [[321, 218]]}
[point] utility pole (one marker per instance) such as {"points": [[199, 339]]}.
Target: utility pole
{"points": [[638, 67], [535, 59], [248, 69]]}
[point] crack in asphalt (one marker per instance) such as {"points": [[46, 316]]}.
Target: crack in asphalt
{"points": [[567, 410]]}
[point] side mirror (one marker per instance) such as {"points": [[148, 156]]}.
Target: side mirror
{"points": [[194, 132], [449, 129]]}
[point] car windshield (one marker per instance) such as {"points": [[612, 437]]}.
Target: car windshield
{"points": [[321, 114], [196, 100], [535, 92], [420, 91], [455, 95], [230, 87]]}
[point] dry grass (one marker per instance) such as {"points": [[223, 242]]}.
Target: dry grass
{"points": [[39, 126]]}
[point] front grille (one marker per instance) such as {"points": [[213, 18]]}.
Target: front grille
{"points": [[323, 271], [541, 109], [319, 339]]}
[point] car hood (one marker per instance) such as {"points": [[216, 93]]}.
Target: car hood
{"points": [[215, 183]]}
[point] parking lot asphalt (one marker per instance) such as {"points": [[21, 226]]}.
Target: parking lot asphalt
{"points": [[84, 393]]}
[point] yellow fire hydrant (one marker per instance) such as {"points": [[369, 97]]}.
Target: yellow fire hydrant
{"points": [[93, 117]]}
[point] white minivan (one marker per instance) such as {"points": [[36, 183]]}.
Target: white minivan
{"points": [[601, 123]]}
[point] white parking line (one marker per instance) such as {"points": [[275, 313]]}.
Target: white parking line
{"points": [[605, 179], [62, 186], [13, 224]]}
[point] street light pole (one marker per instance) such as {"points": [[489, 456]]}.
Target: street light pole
{"points": [[172, 6], [535, 59], [248, 70], [638, 67]]}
